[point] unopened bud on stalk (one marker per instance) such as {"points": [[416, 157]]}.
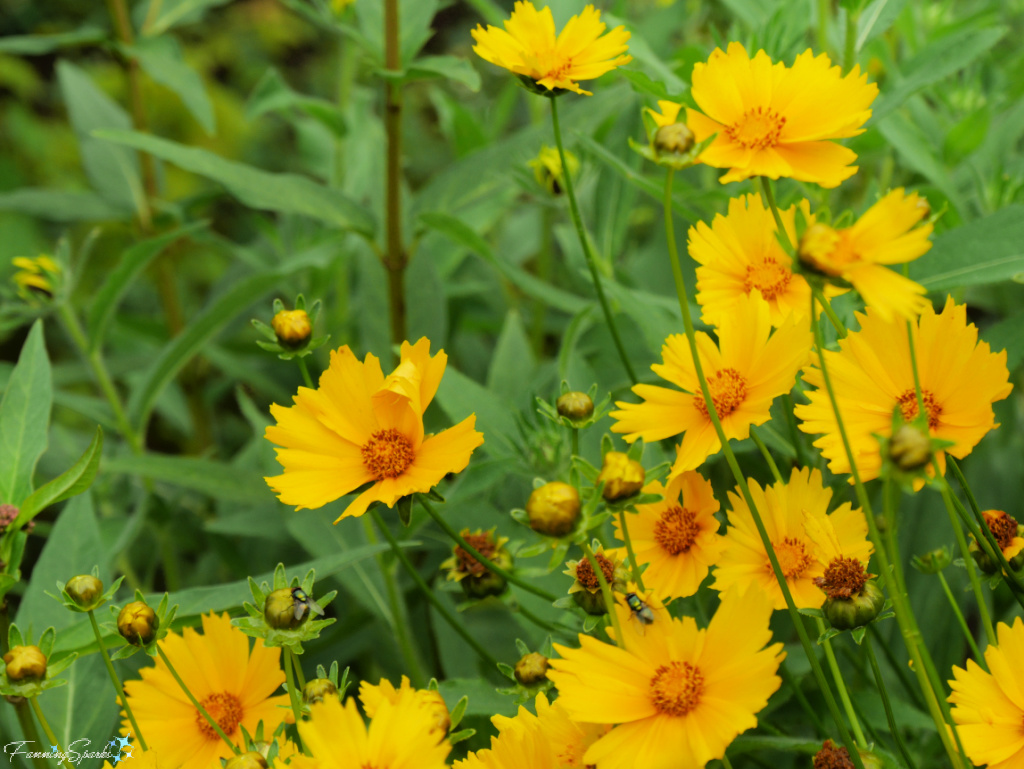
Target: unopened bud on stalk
{"points": [[623, 477], [553, 508], [250, 760], [675, 138], [84, 590], [910, 448], [137, 623], [933, 561], [292, 327], [25, 663], [575, 405], [317, 690], [532, 669]]}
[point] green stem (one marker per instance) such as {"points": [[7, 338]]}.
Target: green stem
{"points": [[824, 10], [293, 697], [634, 567], [850, 41], [395, 259], [399, 618], [541, 623], [767, 456], [29, 731], [844, 695], [491, 565], [198, 705], [396, 548], [544, 273], [960, 619], [894, 728], [901, 670], [585, 245], [305, 372], [794, 431], [606, 593], [34, 702], [792, 683], [299, 677], [574, 441], [118, 688], [741, 480]]}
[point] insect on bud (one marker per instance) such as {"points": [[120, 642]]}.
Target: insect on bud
{"points": [[250, 760], [674, 138], [910, 448], [25, 663], [84, 590], [553, 508], [292, 327], [532, 669], [137, 623], [623, 477], [318, 690], [575, 405], [280, 610]]}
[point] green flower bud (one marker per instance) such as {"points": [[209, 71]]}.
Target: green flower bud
{"points": [[553, 508], [279, 610], [575, 405], [25, 663], [137, 623], [317, 690], [250, 760], [910, 448], [292, 327], [623, 477], [858, 610], [84, 590], [933, 561], [674, 138], [532, 669]]}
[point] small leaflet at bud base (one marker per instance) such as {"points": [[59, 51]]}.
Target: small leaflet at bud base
{"points": [[25, 663]]}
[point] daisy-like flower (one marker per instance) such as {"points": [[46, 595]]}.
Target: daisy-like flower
{"points": [[740, 256], [669, 113], [872, 376], [529, 48], [776, 121], [886, 234], [234, 685], [401, 735], [677, 538], [745, 371], [805, 539], [359, 427], [988, 708], [678, 694], [429, 699]]}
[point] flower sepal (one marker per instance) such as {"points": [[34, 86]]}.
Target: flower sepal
{"points": [[27, 670], [271, 609]]}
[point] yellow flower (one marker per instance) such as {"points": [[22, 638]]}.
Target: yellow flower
{"points": [[871, 374], [528, 47], [35, 274], [805, 539], [886, 234], [678, 537], [429, 699], [669, 113], [678, 694], [740, 256], [1006, 530], [401, 735], [746, 370], [234, 685], [988, 708], [137, 758], [547, 168], [360, 427], [776, 121]]}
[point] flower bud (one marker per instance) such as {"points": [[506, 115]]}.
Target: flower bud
{"points": [[250, 760], [279, 610], [532, 669], [292, 327], [674, 138], [84, 590], [432, 700], [575, 405], [547, 169], [910, 448], [817, 246], [623, 477], [553, 508], [933, 561], [317, 690], [858, 610], [137, 623], [25, 663]]}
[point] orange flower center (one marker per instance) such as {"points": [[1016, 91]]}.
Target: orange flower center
{"points": [[676, 530], [1002, 526], [769, 277], [728, 390], [758, 129], [387, 454], [225, 709], [908, 406], [793, 557], [676, 688], [843, 578], [585, 572], [467, 564]]}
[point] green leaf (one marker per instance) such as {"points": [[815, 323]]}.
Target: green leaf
{"points": [[37, 45], [133, 262], [70, 483], [876, 19], [273, 94], [461, 233], [1008, 335], [986, 250], [427, 302], [113, 171], [414, 31], [216, 479], [161, 58], [175, 12], [57, 206], [512, 365], [450, 67], [917, 153], [25, 418], [263, 190], [460, 396]]}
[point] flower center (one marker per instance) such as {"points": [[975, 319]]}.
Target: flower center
{"points": [[728, 390], [908, 406], [676, 530], [793, 557], [843, 578], [757, 129], [769, 277], [585, 573], [225, 709], [1003, 528], [466, 563], [676, 688], [387, 454]]}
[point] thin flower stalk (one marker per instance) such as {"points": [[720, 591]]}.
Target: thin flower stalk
{"points": [[629, 552], [293, 695], [741, 480], [585, 245], [34, 701], [606, 593], [767, 456], [844, 695], [118, 688], [395, 258], [960, 618], [894, 728], [196, 703]]}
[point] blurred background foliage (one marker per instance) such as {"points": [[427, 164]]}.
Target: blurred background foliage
{"points": [[294, 88]]}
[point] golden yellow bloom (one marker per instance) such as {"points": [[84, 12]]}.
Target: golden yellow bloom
{"points": [[401, 735], [547, 170], [139, 758], [776, 121], [360, 427], [429, 699], [805, 539], [676, 538], [746, 370], [886, 234], [234, 685], [740, 256], [669, 113], [35, 274], [988, 707], [872, 376], [678, 694], [528, 47]]}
